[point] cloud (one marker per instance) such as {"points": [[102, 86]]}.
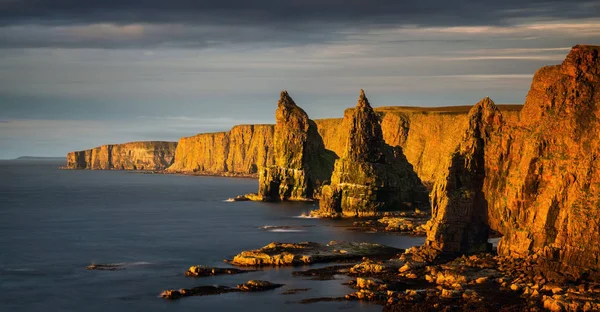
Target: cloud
{"points": [[290, 13], [204, 23]]}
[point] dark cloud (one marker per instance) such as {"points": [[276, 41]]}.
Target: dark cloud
{"points": [[423, 12], [188, 23]]}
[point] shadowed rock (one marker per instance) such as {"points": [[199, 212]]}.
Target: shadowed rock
{"points": [[280, 254], [250, 286], [200, 270], [459, 208]]}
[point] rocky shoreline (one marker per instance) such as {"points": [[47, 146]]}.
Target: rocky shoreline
{"points": [[406, 280]]}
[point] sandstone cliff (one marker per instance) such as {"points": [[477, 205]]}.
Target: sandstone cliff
{"points": [[428, 136], [151, 155], [371, 176], [541, 182], [242, 150], [301, 161], [543, 179]]}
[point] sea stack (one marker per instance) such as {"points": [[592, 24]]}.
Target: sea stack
{"points": [[301, 161], [459, 208], [371, 176]]}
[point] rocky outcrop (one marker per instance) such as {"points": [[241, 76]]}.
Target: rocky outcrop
{"points": [[249, 286], [542, 177], [371, 176], [541, 181], [202, 271], [282, 254], [459, 208], [153, 155], [242, 150], [301, 161]]}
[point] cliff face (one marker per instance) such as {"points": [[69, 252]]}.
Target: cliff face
{"points": [[301, 161], [371, 176], [543, 177], [243, 150], [540, 180], [428, 136], [128, 156]]}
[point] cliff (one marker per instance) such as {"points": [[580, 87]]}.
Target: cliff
{"points": [[541, 181], [301, 161], [242, 150], [371, 176], [427, 136], [153, 155]]}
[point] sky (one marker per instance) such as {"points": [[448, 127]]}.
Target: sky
{"points": [[75, 74]]}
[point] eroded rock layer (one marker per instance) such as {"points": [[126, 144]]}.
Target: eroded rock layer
{"points": [[301, 161], [151, 155], [371, 176]]}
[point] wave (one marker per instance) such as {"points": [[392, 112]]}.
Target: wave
{"points": [[283, 228], [116, 266], [286, 230], [305, 216], [20, 271], [229, 200], [137, 263]]}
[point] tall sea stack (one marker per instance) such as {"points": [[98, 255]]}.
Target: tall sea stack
{"points": [[301, 161], [459, 208], [371, 176]]}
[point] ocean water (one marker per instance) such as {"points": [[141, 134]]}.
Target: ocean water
{"points": [[53, 223]]}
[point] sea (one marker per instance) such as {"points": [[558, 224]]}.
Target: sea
{"points": [[54, 223]]}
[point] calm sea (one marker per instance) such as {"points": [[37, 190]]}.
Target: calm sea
{"points": [[53, 223]]}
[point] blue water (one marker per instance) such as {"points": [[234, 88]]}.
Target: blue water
{"points": [[53, 223]]}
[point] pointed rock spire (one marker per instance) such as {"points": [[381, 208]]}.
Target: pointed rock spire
{"points": [[362, 100], [371, 176], [484, 118], [365, 141], [298, 153], [285, 99]]}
